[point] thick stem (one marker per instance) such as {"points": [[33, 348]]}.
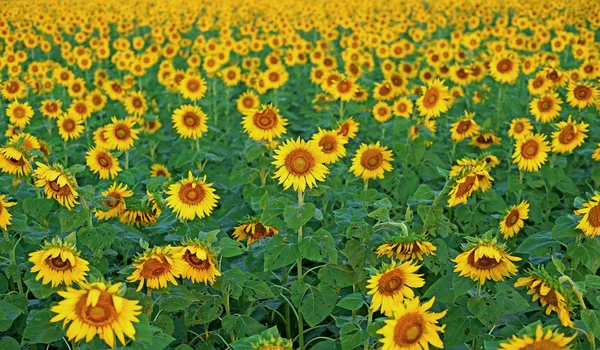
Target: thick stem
{"points": [[300, 278], [369, 320], [341, 109], [13, 259], [126, 159], [288, 324], [87, 213]]}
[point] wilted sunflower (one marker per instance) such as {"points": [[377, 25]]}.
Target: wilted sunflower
{"points": [[5, 216], [139, 213], [434, 100], [464, 127], [512, 222], [247, 101], [200, 262], [189, 121], [192, 197], [299, 164], [157, 170], [519, 128], [97, 309], [19, 113], [569, 136], [120, 134], [403, 107], [582, 95], [251, 229], [590, 217], [332, 144], [58, 262], [504, 68], [546, 107], [264, 124], [192, 87], [543, 339], [157, 267], [412, 326], [103, 162], [272, 343], [485, 260], [392, 284], [348, 128], [404, 248], [58, 183], [531, 152], [371, 161], [14, 159], [117, 193], [550, 292]]}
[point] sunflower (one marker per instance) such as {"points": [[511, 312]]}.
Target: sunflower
{"points": [[484, 140], [371, 161], [348, 128], [271, 343], [519, 128], [392, 284], [70, 126], [120, 134], [192, 197], [596, 153], [590, 217], [189, 121], [463, 164], [199, 262], [97, 309], [247, 101], [80, 108], [139, 215], [539, 85], [475, 178], [486, 260], [504, 68], [58, 262], [13, 89], [192, 87], [464, 127], [300, 164], [544, 339], [264, 124], [512, 222], [489, 159], [5, 216], [251, 229], [157, 170], [114, 201], [103, 162], [550, 292], [19, 114], [546, 107], [531, 152], [406, 247], [568, 136], [403, 107], [157, 267], [412, 326], [51, 108], [381, 111], [231, 75], [434, 100], [58, 183], [344, 89], [582, 95], [332, 145], [14, 159], [135, 104]]}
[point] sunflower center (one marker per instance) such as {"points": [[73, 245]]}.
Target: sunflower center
{"points": [[327, 144], [193, 85], [397, 80], [519, 127], [154, 268], [463, 126], [112, 202], [195, 262], [248, 102], [137, 103], [274, 76], [192, 193], [103, 314], [549, 298], [538, 82], [567, 134], [462, 74], [299, 162], [19, 112], [545, 105], [266, 119], [530, 149], [431, 97], [382, 111], [344, 129], [401, 107], [594, 216], [391, 281], [97, 100], [51, 107], [542, 345], [191, 120], [69, 125], [512, 217], [122, 132], [371, 159], [384, 90], [231, 75], [12, 87], [466, 186], [81, 108], [504, 66], [58, 263], [582, 92], [58, 189], [553, 76], [161, 173], [343, 86], [17, 162], [76, 87], [483, 263], [104, 160], [408, 330]]}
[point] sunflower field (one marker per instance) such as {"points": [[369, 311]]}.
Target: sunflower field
{"points": [[284, 174]]}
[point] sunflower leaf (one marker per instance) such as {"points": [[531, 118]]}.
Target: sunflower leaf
{"points": [[297, 217]]}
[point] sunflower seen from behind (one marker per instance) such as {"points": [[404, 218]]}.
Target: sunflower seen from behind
{"points": [[299, 164], [15, 160], [58, 262], [157, 267], [531, 152], [485, 260], [192, 197], [264, 123], [568, 136], [392, 283], [199, 261], [544, 338], [371, 161], [513, 220], [97, 309]]}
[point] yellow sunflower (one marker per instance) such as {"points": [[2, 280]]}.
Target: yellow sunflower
{"points": [[484, 140], [392, 284], [80, 108], [157, 170], [344, 89], [192, 87], [512, 222], [100, 139], [192, 197], [247, 101], [51, 108], [403, 107], [582, 95], [120, 134], [14, 159], [504, 68], [531, 152], [103, 162], [200, 262], [404, 248], [590, 217], [58, 262], [546, 107], [19, 113], [189, 121], [544, 339], [135, 104], [539, 85], [70, 126], [486, 260], [114, 201], [550, 292], [332, 144], [519, 128], [299, 164], [475, 178], [412, 327], [348, 128], [271, 343], [596, 154], [58, 183], [5, 215], [434, 100], [97, 309], [569, 136], [381, 111], [371, 161], [251, 229], [264, 123], [464, 127], [157, 267]]}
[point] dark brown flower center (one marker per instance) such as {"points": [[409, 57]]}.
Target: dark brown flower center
{"points": [[104, 160], [299, 162], [582, 92], [504, 66], [594, 216], [391, 281], [114, 202], [19, 112], [567, 134], [58, 263], [512, 218], [545, 104], [408, 330], [191, 120], [483, 263], [102, 314], [371, 159], [266, 119], [431, 97], [195, 262], [52, 107], [122, 132], [530, 149], [327, 144], [518, 127], [69, 125], [248, 102], [192, 193], [62, 191], [154, 268], [465, 187], [542, 345], [463, 126]]}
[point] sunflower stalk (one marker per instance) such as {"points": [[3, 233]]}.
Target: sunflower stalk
{"points": [[13, 260], [300, 277], [88, 214], [127, 159], [369, 321]]}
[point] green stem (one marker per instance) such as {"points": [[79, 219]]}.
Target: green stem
{"points": [[369, 320], [13, 259], [479, 289], [300, 278], [288, 324], [87, 213], [126, 159], [520, 187], [214, 106], [341, 109], [228, 311]]}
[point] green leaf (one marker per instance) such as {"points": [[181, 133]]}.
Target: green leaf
{"points": [[591, 318], [253, 150], [39, 330], [241, 325], [229, 248], [381, 214], [296, 216], [241, 174], [592, 282], [37, 207], [39, 290], [338, 276], [8, 313], [279, 253], [318, 245], [352, 336], [460, 328], [19, 222], [177, 298], [143, 331], [461, 285], [564, 227], [560, 267], [98, 238], [353, 301], [207, 309], [423, 195], [270, 215], [71, 220], [537, 244], [257, 290], [8, 343], [318, 303]]}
